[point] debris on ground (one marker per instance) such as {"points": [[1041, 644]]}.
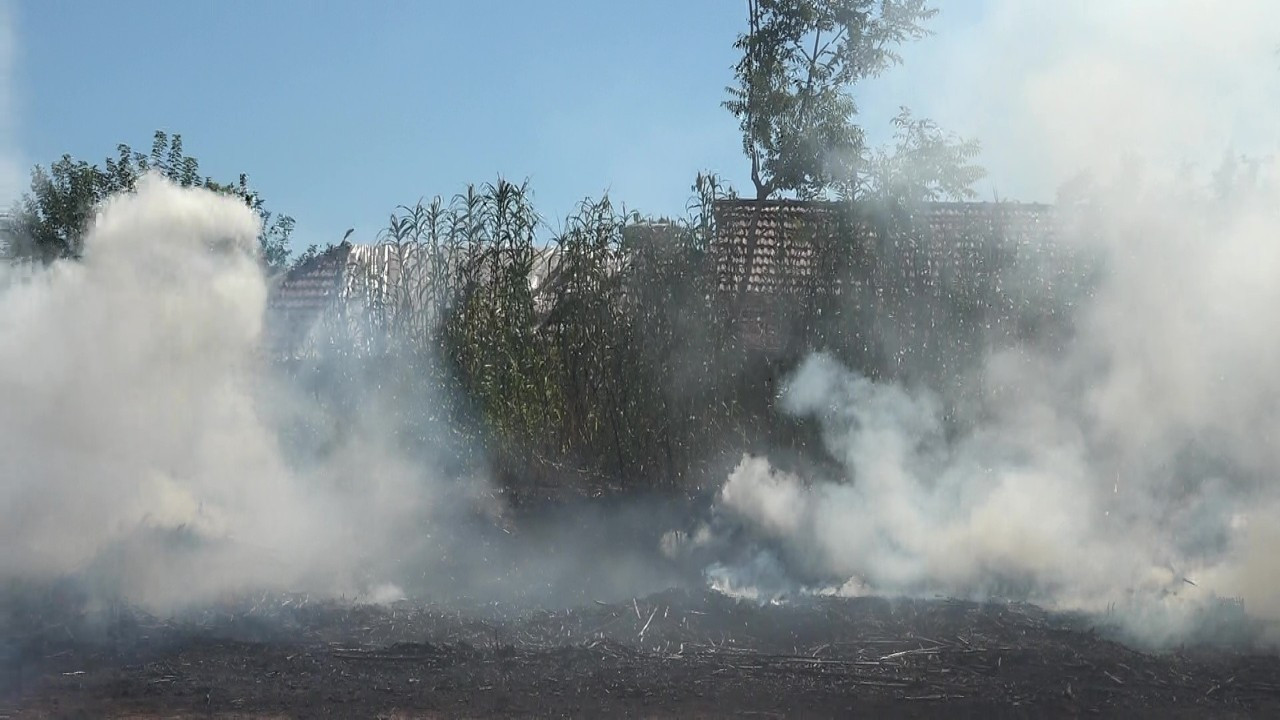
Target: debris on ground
{"points": [[676, 653]]}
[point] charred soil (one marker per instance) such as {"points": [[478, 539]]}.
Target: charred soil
{"points": [[677, 653]]}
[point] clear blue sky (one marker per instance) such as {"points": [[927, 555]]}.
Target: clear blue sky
{"points": [[339, 111]]}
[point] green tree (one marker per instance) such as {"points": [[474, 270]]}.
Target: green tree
{"points": [[925, 164], [49, 222], [799, 60]]}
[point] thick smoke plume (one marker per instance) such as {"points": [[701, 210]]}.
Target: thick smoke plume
{"points": [[1052, 89], [145, 447], [151, 451], [1133, 471], [139, 436]]}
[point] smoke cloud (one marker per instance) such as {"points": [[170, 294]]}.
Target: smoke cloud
{"points": [[152, 453], [1134, 471], [145, 445], [140, 437], [1054, 89]]}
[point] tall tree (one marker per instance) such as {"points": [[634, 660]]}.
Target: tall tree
{"points": [[799, 60], [50, 220], [924, 164]]}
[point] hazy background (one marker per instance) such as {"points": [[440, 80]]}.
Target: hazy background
{"points": [[342, 111], [1141, 457]]}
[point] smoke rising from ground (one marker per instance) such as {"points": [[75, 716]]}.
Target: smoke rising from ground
{"points": [[142, 443], [151, 453], [1136, 470], [139, 437]]}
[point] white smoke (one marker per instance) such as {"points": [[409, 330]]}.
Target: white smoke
{"points": [[138, 434], [1137, 468], [1052, 89]]}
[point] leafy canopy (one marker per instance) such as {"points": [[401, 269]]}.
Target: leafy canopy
{"points": [[50, 221], [799, 59]]}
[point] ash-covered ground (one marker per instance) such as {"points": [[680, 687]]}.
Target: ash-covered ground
{"points": [[517, 635], [686, 653]]}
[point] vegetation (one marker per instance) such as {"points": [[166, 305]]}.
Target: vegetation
{"points": [[609, 373], [621, 367], [50, 221], [800, 59]]}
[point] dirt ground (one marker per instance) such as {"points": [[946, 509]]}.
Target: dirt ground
{"points": [[674, 654]]}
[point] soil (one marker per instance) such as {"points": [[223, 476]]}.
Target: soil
{"points": [[673, 654]]}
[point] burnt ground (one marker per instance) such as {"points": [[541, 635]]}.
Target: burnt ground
{"points": [[677, 653]]}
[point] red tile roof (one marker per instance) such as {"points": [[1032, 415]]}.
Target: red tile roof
{"points": [[768, 250], [300, 297]]}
